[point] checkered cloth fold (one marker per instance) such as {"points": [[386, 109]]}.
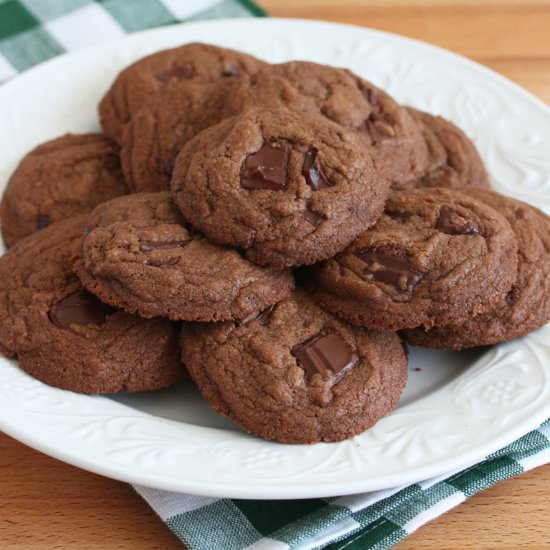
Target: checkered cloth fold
{"points": [[32, 31], [376, 520]]}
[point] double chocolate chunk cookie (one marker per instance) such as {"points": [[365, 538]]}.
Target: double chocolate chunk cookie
{"points": [[287, 187], [137, 84], [388, 131], [527, 305], [65, 336], [435, 257], [155, 135], [139, 255], [64, 177], [453, 159], [296, 374]]}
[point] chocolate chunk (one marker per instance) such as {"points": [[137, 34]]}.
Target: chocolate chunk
{"points": [[262, 317], [266, 168], [390, 267], [147, 246], [79, 308], [180, 72], [452, 223], [313, 217], [161, 262], [326, 354], [230, 70], [313, 172], [265, 315], [42, 221], [246, 320]]}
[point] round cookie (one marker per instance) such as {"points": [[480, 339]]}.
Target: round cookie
{"points": [[137, 84], [435, 257], [392, 136], [288, 187], [65, 336], [139, 255], [296, 374], [155, 135], [454, 161], [527, 305], [61, 178]]}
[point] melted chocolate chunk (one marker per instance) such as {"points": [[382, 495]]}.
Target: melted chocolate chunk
{"points": [[262, 317], [452, 223], [388, 267], [161, 262], [266, 168], [265, 315], [79, 308], [180, 72], [230, 70], [326, 354], [312, 171], [148, 246], [42, 221], [313, 217]]}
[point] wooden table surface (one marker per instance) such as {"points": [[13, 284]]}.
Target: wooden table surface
{"points": [[45, 504]]}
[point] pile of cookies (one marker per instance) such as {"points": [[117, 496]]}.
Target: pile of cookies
{"points": [[275, 231]]}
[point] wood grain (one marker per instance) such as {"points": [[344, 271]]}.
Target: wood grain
{"points": [[509, 36], [45, 504]]}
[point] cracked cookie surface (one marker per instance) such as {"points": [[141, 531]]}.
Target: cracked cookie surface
{"points": [[387, 130], [139, 255], [526, 307], [65, 336], [287, 187], [136, 85], [295, 373], [435, 257], [453, 160], [61, 178], [153, 138]]}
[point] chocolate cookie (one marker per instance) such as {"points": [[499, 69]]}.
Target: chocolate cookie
{"points": [[391, 135], [527, 305], [155, 135], [139, 255], [66, 337], [296, 374], [288, 187], [137, 84], [435, 257], [453, 159], [64, 177]]}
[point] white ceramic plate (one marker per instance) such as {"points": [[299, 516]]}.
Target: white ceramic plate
{"points": [[457, 407]]}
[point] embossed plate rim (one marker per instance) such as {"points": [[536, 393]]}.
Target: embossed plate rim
{"points": [[111, 439]]}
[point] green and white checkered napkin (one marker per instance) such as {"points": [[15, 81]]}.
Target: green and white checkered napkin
{"points": [[374, 520], [32, 31]]}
